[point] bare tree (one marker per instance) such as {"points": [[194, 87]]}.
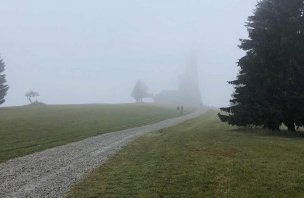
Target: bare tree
{"points": [[32, 94]]}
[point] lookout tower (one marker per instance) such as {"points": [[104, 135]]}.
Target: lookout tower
{"points": [[188, 84], [188, 92]]}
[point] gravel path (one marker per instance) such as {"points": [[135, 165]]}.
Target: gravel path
{"points": [[51, 173]]}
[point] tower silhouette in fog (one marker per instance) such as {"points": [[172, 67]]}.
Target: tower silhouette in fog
{"points": [[188, 92], [188, 85]]}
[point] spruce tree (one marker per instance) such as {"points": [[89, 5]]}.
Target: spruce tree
{"points": [[3, 86], [269, 89]]}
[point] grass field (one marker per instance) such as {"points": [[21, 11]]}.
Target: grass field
{"points": [[24, 130], [201, 158]]}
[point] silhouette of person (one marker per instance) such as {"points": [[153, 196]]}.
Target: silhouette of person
{"points": [[177, 108], [182, 109]]}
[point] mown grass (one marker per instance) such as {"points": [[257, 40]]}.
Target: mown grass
{"points": [[24, 130], [201, 158]]}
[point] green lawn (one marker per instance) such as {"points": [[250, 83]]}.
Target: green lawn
{"points": [[201, 158], [24, 130]]}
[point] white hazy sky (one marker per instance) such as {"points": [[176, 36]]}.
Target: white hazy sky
{"points": [[76, 51]]}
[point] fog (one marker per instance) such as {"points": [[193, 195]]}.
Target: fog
{"points": [[94, 51]]}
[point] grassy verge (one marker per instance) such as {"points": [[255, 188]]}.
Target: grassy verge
{"points": [[201, 158], [25, 130]]}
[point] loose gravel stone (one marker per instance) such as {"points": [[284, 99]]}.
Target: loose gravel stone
{"points": [[53, 172]]}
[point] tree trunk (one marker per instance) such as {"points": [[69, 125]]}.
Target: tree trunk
{"points": [[291, 127], [276, 128], [272, 126], [29, 98]]}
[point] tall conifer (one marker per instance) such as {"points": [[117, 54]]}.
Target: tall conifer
{"points": [[3, 85], [269, 89]]}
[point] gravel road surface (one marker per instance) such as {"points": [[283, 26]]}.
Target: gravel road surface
{"points": [[53, 172]]}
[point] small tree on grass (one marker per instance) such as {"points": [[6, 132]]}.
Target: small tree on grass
{"points": [[140, 91], [32, 94], [3, 86]]}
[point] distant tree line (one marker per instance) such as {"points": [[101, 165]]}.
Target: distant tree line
{"points": [[269, 90]]}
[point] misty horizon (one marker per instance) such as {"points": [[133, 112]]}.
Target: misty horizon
{"points": [[74, 52]]}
